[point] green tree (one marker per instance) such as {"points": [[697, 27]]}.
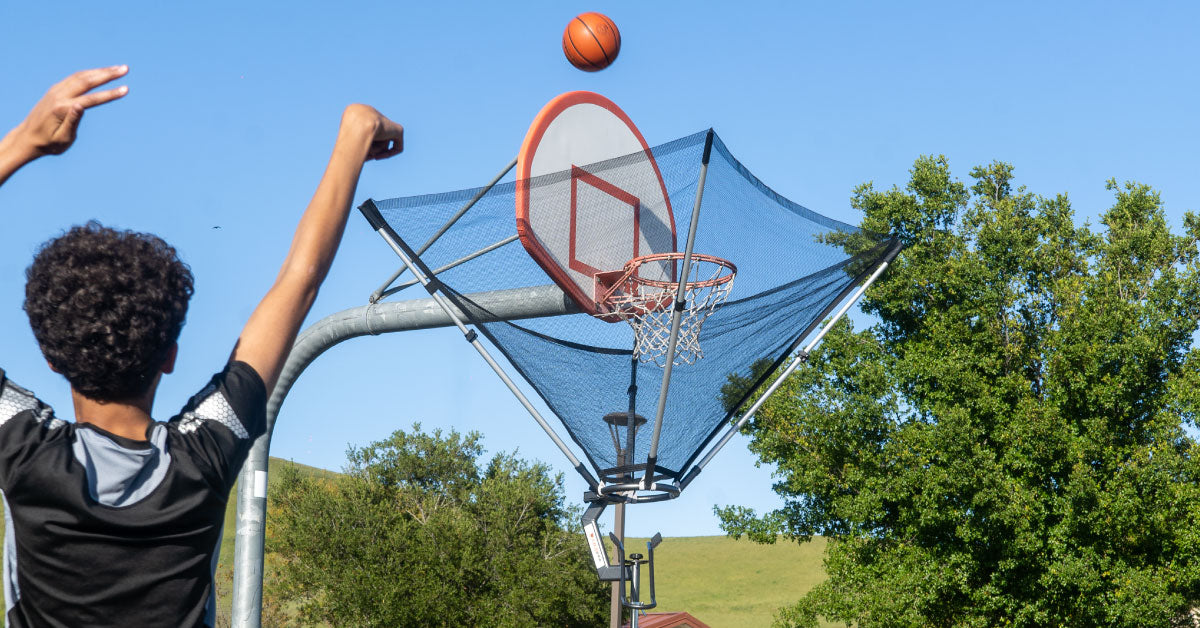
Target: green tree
{"points": [[415, 533], [1005, 444]]}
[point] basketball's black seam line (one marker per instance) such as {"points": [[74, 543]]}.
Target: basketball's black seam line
{"points": [[607, 61], [613, 26], [591, 64]]}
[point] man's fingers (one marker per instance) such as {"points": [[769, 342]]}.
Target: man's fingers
{"points": [[64, 135], [389, 140], [389, 130], [86, 80], [384, 149], [377, 148], [87, 101]]}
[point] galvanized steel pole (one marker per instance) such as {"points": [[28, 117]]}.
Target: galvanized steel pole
{"points": [[368, 320]]}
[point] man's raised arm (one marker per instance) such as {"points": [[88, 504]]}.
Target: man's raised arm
{"points": [[268, 336], [50, 127]]}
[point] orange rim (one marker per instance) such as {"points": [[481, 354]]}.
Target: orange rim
{"points": [[696, 257]]}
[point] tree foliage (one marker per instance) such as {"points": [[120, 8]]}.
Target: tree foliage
{"points": [[1005, 444], [415, 533]]}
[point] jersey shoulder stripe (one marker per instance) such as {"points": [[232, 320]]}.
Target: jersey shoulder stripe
{"points": [[14, 400], [214, 407]]}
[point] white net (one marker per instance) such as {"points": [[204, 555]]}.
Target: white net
{"points": [[646, 304]]}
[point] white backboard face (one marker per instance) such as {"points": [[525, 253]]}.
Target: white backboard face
{"points": [[595, 216]]}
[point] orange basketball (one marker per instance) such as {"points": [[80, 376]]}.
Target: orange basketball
{"points": [[591, 41]]}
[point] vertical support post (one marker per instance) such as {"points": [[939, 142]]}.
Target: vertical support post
{"points": [[248, 551], [631, 425], [624, 457], [635, 593], [680, 305], [615, 609]]}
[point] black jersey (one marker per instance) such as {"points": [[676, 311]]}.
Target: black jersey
{"points": [[106, 531]]}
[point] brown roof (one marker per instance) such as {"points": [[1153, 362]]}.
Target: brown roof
{"points": [[669, 620]]}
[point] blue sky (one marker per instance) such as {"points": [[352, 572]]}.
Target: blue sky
{"points": [[233, 109]]}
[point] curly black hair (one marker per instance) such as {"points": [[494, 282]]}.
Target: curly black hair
{"points": [[106, 306]]}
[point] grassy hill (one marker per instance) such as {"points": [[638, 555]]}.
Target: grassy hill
{"points": [[732, 584], [723, 582]]}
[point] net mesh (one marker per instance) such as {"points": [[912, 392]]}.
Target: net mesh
{"points": [[789, 276]]}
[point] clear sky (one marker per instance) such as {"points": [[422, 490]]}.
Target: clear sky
{"points": [[233, 109]]}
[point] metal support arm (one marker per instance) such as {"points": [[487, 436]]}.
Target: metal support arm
{"points": [[606, 571], [676, 315]]}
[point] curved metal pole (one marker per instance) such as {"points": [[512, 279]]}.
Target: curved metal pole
{"points": [[374, 319]]}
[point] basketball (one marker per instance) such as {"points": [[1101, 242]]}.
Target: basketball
{"points": [[591, 41]]}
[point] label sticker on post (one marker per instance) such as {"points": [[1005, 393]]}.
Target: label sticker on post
{"points": [[593, 539], [260, 484]]}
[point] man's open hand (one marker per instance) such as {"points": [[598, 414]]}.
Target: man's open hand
{"points": [[50, 127]]}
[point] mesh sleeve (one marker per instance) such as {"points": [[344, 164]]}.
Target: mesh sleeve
{"points": [[24, 420], [218, 425]]}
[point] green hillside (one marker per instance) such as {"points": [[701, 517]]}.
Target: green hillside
{"points": [[732, 584]]}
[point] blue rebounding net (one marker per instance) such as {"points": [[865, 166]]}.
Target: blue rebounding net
{"points": [[794, 266]]}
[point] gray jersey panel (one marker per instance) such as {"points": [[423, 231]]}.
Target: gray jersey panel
{"points": [[119, 476]]}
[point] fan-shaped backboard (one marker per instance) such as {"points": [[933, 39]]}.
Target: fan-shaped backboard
{"points": [[590, 196]]}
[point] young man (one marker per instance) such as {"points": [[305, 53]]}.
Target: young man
{"points": [[115, 519]]}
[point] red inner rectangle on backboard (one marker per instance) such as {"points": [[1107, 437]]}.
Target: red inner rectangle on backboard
{"points": [[625, 198]]}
